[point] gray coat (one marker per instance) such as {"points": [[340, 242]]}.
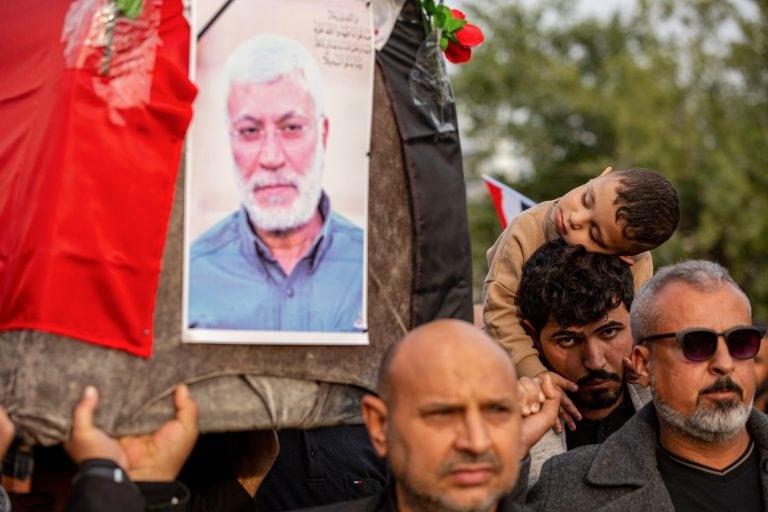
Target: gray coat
{"points": [[620, 475]]}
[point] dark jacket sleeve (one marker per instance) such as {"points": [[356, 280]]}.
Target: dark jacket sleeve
{"points": [[101, 485]]}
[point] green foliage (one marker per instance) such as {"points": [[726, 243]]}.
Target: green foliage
{"points": [[129, 8], [676, 86], [441, 18]]}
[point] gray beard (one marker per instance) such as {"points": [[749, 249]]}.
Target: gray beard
{"points": [[716, 425], [422, 500], [428, 503]]}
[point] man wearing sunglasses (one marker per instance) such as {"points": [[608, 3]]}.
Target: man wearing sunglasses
{"points": [[575, 306], [700, 445]]}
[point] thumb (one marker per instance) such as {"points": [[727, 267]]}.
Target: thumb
{"points": [[551, 388], [186, 408], [82, 418]]}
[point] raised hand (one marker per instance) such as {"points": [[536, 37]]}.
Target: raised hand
{"points": [[150, 457]]}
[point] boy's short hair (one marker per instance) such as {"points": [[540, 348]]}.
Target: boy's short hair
{"points": [[647, 206], [572, 285]]}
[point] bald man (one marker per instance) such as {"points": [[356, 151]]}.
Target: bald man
{"points": [[448, 419]]}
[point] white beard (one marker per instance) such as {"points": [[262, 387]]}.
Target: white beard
{"points": [[279, 217]]}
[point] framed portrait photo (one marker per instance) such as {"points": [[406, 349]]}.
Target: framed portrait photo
{"points": [[276, 187]]}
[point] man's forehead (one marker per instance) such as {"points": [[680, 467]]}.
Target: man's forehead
{"points": [[294, 79], [456, 399], [681, 305], [290, 88], [423, 373], [619, 314], [447, 368], [454, 389]]}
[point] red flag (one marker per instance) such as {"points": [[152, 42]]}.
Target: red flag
{"points": [[89, 153], [508, 202]]}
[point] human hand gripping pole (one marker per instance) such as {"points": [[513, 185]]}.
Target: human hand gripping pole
{"points": [[152, 457]]}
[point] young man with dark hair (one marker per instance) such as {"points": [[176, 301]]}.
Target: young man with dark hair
{"points": [[575, 306]]}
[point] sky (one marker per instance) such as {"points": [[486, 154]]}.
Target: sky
{"points": [[602, 8]]}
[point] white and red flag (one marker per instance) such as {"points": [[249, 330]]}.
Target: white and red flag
{"points": [[508, 202]]}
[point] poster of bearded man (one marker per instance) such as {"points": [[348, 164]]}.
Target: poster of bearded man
{"points": [[277, 173]]}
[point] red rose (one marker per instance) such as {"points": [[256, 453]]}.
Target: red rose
{"points": [[457, 14], [467, 37], [457, 37], [470, 35], [457, 54]]}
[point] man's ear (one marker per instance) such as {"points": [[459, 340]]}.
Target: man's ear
{"points": [[375, 417], [530, 330], [629, 260], [607, 170], [641, 355]]}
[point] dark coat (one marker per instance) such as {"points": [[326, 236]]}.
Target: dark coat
{"points": [[320, 466], [386, 502], [621, 474], [101, 485]]}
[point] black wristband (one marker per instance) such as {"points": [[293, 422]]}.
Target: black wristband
{"points": [[101, 468]]}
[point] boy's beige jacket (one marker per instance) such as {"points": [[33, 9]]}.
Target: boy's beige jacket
{"points": [[526, 233]]}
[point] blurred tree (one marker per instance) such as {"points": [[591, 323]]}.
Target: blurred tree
{"points": [[677, 86]]}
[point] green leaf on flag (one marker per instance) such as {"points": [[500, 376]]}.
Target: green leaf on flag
{"points": [[129, 8]]}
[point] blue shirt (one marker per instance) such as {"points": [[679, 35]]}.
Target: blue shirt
{"points": [[235, 283]]}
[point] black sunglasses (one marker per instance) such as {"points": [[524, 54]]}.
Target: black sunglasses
{"points": [[700, 344]]}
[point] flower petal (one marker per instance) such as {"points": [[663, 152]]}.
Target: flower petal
{"points": [[470, 35], [458, 14], [457, 54]]}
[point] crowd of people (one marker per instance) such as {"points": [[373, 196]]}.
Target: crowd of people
{"points": [[591, 385], [460, 431]]}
